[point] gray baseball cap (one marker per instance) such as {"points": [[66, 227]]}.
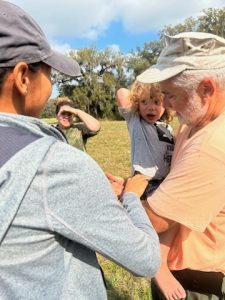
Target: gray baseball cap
{"points": [[21, 39], [186, 51]]}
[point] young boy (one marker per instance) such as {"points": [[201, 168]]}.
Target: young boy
{"points": [[150, 134], [152, 145], [76, 133]]}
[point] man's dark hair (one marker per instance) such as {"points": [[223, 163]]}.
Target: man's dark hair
{"points": [[3, 73], [5, 70]]}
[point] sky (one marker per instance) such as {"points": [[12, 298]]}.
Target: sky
{"points": [[119, 24], [122, 25]]}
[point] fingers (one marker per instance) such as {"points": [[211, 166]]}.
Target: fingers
{"points": [[67, 108], [110, 176], [138, 178], [114, 178], [136, 184], [117, 183], [117, 189]]}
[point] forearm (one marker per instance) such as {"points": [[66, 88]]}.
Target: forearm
{"points": [[123, 98], [166, 240], [139, 218], [91, 123], [159, 223]]}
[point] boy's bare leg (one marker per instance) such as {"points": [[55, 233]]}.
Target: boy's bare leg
{"points": [[165, 280]]}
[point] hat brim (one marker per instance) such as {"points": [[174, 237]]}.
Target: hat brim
{"points": [[157, 73], [63, 64]]}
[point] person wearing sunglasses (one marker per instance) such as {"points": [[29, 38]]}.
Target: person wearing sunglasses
{"points": [[76, 133]]}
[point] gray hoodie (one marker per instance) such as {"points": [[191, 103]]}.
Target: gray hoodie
{"points": [[57, 210]]}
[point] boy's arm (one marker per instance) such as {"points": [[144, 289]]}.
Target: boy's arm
{"points": [[90, 122], [123, 98]]}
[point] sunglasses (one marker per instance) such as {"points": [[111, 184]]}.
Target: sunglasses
{"points": [[66, 114]]}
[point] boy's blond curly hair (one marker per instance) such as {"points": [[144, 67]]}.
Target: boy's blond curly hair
{"points": [[142, 90]]}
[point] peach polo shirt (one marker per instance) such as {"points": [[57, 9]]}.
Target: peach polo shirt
{"points": [[193, 194]]}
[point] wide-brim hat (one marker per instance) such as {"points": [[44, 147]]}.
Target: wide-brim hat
{"points": [[186, 51]]}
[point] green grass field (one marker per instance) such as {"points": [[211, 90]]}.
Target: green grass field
{"points": [[111, 149]]}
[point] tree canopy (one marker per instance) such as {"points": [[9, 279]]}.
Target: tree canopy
{"points": [[103, 72]]}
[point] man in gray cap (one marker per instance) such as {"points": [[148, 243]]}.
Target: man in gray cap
{"points": [[191, 73], [56, 206]]}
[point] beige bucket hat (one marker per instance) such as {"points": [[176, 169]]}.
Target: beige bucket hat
{"points": [[186, 51]]}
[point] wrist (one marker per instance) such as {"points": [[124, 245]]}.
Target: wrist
{"points": [[75, 112]]}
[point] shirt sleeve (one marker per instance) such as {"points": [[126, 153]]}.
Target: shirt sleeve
{"points": [[85, 132], [126, 113], [134, 208], [83, 208], [192, 193]]}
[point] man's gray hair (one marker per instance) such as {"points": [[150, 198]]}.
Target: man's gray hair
{"points": [[190, 79]]}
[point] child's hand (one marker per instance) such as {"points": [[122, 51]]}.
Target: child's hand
{"points": [[117, 184], [136, 184], [123, 97]]}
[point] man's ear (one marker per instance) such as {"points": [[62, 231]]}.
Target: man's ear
{"points": [[206, 88], [21, 78]]}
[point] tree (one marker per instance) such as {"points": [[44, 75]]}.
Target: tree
{"points": [[213, 21], [141, 59], [94, 91], [190, 24], [103, 72]]}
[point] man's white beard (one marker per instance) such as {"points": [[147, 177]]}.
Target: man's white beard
{"points": [[194, 111]]}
